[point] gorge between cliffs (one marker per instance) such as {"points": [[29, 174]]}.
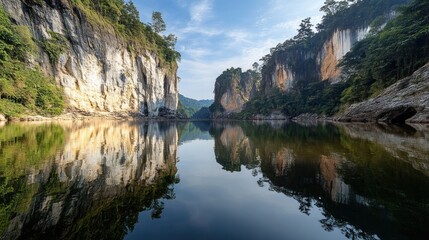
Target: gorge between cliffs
{"points": [[112, 180], [326, 136]]}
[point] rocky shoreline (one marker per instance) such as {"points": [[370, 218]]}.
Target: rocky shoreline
{"points": [[406, 101], [85, 116]]}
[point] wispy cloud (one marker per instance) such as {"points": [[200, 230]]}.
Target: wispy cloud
{"points": [[211, 43], [200, 10]]}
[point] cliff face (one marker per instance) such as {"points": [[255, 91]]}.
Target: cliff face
{"points": [[406, 100], [287, 69], [306, 65], [233, 89], [334, 49], [98, 72]]}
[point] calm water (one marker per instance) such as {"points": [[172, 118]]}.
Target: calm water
{"points": [[202, 180]]}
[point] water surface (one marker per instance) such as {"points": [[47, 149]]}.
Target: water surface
{"points": [[202, 180]]}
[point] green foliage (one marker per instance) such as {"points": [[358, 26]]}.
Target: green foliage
{"points": [[11, 44], [158, 23], [321, 97], [203, 113], [354, 13], [55, 46], [305, 31], [27, 39], [24, 90], [374, 63], [394, 53], [27, 91], [124, 18], [184, 111], [23, 147]]}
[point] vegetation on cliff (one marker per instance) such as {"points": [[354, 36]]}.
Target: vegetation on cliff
{"points": [[395, 52], [124, 17], [386, 55], [23, 90]]}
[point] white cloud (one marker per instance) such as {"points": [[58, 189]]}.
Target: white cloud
{"points": [[207, 31], [210, 47], [198, 53], [200, 11]]}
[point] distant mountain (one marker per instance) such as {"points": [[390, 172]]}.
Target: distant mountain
{"points": [[188, 106]]}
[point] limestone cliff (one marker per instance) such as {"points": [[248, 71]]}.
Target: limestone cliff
{"points": [[406, 100], [99, 71], [300, 66], [285, 69], [334, 49], [233, 89]]}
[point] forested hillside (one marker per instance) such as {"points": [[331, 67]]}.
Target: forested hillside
{"points": [[390, 40], [188, 107]]}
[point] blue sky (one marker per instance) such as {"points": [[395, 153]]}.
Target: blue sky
{"points": [[218, 34]]}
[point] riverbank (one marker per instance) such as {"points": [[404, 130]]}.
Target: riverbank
{"points": [[84, 116]]}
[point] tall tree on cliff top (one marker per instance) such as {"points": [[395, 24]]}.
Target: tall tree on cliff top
{"points": [[158, 23], [305, 31], [330, 7]]}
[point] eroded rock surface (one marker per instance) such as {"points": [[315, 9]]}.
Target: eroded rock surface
{"points": [[98, 72], [405, 101]]}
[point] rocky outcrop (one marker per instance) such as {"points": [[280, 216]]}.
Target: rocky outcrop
{"points": [[233, 89], [405, 101], [98, 71]]}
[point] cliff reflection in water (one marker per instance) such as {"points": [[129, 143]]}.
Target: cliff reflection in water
{"points": [[369, 181], [86, 180]]}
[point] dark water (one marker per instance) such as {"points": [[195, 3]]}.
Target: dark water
{"points": [[115, 180]]}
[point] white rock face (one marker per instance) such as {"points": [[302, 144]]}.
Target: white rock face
{"points": [[98, 72]]}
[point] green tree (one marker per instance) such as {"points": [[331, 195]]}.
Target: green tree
{"points": [[331, 7], [305, 31], [171, 40], [255, 66], [158, 23]]}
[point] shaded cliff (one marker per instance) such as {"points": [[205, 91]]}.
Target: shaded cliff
{"points": [[100, 71], [233, 88]]}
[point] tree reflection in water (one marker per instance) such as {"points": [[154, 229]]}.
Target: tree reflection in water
{"points": [[91, 180], [366, 184], [84, 180]]}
